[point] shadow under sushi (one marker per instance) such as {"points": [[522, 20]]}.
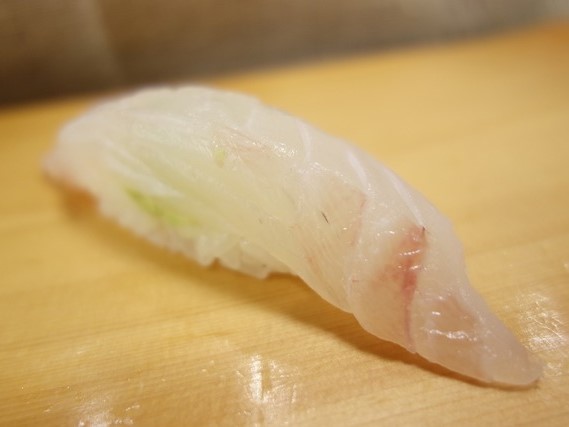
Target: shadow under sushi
{"points": [[306, 307]]}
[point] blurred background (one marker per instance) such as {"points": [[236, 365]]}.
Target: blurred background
{"points": [[59, 47]]}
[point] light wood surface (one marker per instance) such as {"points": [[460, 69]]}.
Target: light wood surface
{"points": [[99, 328]]}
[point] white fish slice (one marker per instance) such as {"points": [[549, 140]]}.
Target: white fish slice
{"points": [[218, 175]]}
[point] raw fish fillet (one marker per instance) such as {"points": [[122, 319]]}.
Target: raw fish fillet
{"points": [[220, 176]]}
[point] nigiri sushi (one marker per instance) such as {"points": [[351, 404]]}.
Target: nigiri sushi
{"points": [[219, 176]]}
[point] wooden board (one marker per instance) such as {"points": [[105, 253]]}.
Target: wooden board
{"points": [[99, 328]]}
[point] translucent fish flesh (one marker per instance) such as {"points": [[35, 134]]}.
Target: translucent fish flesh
{"points": [[220, 176]]}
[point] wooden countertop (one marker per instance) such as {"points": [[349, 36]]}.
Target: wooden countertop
{"points": [[99, 328]]}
